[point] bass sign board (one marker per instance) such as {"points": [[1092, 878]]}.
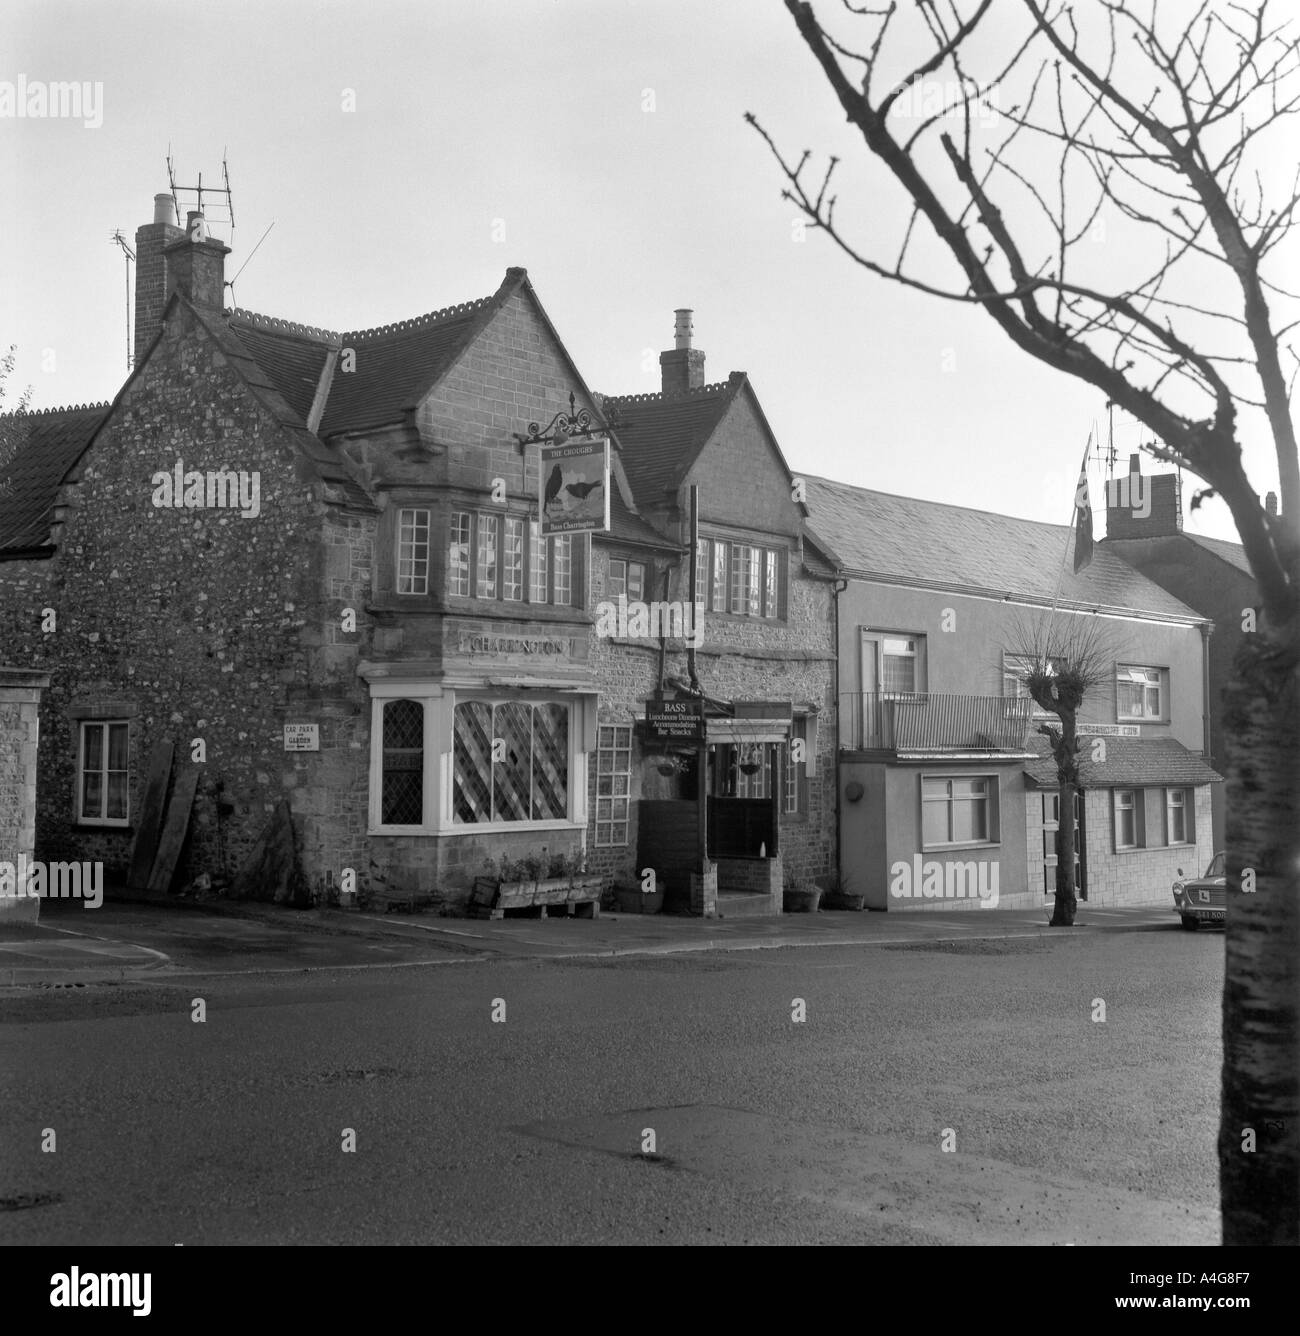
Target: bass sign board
{"points": [[675, 720]]}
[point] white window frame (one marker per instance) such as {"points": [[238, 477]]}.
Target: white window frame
{"points": [[542, 578], [1186, 804], [992, 810], [742, 579], [1134, 805], [411, 568], [609, 742], [106, 725], [1014, 666], [1126, 675], [439, 702]]}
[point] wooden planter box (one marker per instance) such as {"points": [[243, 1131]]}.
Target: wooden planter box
{"points": [[490, 899]]}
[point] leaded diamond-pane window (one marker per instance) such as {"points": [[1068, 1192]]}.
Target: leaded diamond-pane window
{"points": [[511, 762], [472, 793], [403, 790]]}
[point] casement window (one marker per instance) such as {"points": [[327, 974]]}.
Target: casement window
{"points": [[744, 769], [402, 796], [511, 762], [627, 578], [512, 570], [1180, 817], [1139, 692], [487, 558], [795, 773], [458, 581], [702, 573], [613, 784], [413, 551], [562, 568], [744, 580], [1129, 811], [898, 657], [102, 772], [958, 810], [1015, 668]]}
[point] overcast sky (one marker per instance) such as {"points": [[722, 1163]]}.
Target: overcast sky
{"points": [[600, 145]]}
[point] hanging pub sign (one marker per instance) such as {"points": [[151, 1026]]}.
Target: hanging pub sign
{"points": [[574, 481]]}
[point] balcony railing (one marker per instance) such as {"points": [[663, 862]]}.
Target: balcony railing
{"points": [[924, 721]]}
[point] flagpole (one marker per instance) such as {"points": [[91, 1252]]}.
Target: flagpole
{"points": [[1065, 555]]}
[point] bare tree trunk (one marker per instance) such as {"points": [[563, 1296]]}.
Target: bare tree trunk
{"points": [[1259, 1176], [1066, 902]]}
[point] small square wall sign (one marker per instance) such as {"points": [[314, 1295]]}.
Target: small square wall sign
{"points": [[302, 737]]}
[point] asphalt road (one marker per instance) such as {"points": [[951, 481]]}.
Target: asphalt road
{"points": [[533, 1129]]}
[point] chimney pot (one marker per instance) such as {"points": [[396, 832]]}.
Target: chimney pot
{"points": [[1135, 463], [1270, 503], [164, 209], [683, 327]]}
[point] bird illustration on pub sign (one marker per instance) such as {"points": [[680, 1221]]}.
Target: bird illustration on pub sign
{"points": [[573, 494]]}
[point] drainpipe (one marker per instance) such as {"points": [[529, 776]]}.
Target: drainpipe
{"points": [[1207, 630], [839, 587], [694, 585]]}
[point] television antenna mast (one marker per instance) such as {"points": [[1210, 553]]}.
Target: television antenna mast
{"points": [[129, 255]]}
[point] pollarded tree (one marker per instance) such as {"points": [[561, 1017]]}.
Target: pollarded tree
{"points": [[1158, 127], [1064, 657]]}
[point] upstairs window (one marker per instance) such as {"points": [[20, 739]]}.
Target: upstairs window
{"points": [[1139, 692], [413, 551], [744, 580], [627, 578], [488, 558]]}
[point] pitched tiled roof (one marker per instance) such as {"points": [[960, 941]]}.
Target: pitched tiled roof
{"points": [[1233, 553], [289, 354], [661, 435], [1129, 762], [904, 540], [632, 528], [395, 365], [49, 443]]}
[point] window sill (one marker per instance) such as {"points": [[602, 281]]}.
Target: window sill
{"points": [[479, 828], [110, 827], [958, 848]]}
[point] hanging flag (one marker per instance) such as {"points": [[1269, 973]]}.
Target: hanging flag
{"points": [[1082, 516]]}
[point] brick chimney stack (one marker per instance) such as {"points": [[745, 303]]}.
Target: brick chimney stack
{"points": [[682, 368], [151, 270], [196, 264], [1144, 507]]}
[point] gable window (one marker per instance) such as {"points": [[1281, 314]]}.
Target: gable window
{"points": [[745, 580], [1128, 810], [402, 795], [627, 578], [510, 762], [487, 558], [102, 772], [413, 551], [958, 811], [613, 784], [1139, 692]]}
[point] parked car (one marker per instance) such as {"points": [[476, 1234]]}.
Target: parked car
{"points": [[1203, 899]]}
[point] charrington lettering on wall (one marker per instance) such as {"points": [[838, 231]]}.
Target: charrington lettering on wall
{"points": [[490, 644]]}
